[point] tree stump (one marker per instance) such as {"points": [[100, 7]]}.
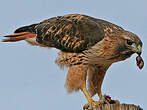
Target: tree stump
{"points": [[117, 106]]}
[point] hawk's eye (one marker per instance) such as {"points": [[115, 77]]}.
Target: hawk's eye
{"points": [[129, 42]]}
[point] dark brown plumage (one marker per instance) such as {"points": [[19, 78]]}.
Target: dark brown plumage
{"points": [[73, 33], [88, 47]]}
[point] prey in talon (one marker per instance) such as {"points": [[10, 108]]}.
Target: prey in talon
{"points": [[108, 100]]}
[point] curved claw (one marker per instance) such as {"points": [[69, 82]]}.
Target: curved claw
{"points": [[92, 104]]}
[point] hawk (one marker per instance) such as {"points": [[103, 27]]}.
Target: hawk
{"points": [[89, 46]]}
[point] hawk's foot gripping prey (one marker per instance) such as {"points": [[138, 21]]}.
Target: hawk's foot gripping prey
{"points": [[88, 46], [91, 103]]}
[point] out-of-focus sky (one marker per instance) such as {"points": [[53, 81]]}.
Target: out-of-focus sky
{"points": [[29, 78]]}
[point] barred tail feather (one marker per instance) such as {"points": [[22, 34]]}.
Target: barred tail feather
{"points": [[18, 36]]}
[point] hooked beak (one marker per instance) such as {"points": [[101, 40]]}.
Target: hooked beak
{"points": [[138, 50]]}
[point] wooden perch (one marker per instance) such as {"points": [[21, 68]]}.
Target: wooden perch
{"points": [[118, 106]]}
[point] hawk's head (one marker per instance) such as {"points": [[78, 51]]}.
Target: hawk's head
{"points": [[129, 44], [116, 47]]}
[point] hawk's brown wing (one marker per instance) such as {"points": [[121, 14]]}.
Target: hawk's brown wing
{"points": [[70, 33]]}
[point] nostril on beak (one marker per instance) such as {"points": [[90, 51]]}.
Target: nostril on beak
{"points": [[139, 50]]}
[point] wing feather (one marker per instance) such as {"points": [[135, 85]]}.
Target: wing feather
{"points": [[71, 33]]}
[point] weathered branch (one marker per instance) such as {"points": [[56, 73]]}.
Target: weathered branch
{"points": [[118, 106]]}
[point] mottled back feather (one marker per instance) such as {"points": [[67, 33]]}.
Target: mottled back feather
{"points": [[70, 33]]}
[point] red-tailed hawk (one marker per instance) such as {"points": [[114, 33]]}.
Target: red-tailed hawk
{"points": [[89, 46]]}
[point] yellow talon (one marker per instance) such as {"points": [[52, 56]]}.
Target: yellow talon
{"points": [[91, 103]]}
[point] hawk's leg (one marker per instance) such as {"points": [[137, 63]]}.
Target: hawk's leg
{"points": [[100, 95], [91, 103]]}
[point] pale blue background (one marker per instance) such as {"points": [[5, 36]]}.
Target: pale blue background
{"points": [[29, 78]]}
